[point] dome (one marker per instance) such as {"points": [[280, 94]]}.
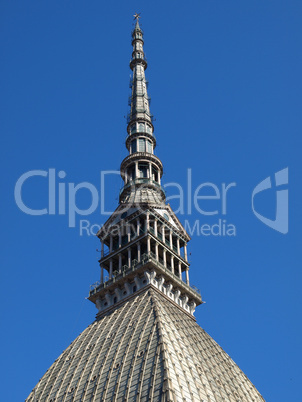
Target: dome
{"points": [[146, 349]]}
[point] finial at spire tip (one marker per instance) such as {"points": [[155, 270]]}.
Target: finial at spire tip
{"points": [[137, 16]]}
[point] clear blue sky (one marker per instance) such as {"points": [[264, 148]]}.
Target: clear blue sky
{"points": [[225, 82]]}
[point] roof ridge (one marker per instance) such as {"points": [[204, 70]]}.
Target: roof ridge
{"points": [[167, 377], [134, 320]]}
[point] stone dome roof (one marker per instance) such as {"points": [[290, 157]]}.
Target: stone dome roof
{"points": [[146, 348]]}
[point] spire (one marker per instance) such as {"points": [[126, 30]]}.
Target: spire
{"points": [[145, 344], [141, 170], [137, 16], [142, 243], [139, 100], [137, 27]]}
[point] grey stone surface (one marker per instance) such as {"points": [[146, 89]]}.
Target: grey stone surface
{"points": [[148, 349]]}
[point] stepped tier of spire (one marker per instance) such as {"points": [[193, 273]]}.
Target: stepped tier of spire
{"points": [[141, 169], [142, 243]]}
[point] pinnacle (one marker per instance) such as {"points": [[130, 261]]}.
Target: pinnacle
{"points": [[137, 17]]}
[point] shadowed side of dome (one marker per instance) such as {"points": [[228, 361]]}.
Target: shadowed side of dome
{"points": [[205, 372]]}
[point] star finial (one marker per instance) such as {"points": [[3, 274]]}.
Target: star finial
{"points": [[137, 16]]}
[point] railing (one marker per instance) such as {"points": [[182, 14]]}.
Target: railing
{"points": [[195, 288], [137, 36], [106, 253], [143, 231], [134, 266], [152, 257], [115, 247], [144, 58], [142, 181], [125, 241], [94, 286], [141, 130]]}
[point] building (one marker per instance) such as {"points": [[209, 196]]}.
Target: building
{"points": [[145, 344]]}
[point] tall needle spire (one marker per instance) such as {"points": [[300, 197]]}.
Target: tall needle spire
{"points": [[141, 170], [145, 344]]}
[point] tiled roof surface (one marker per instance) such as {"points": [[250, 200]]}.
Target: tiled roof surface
{"points": [[145, 196], [147, 349]]}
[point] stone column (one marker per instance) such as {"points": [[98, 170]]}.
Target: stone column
{"points": [[138, 252], [150, 170], [156, 251], [129, 257], [165, 258], [110, 268], [102, 274], [155, 227], [137, 227], [172, 264], [185, 251], [120, 237], [171, 239], [148, 245], [178, 246], [128, 233], [136, 170], [179, 269], [147, 221], [120, 262], [163, 233], [111, 244], [187, 276], [102, 249]]}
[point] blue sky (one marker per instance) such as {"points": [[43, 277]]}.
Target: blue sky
{"points": [[225, 82]]}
